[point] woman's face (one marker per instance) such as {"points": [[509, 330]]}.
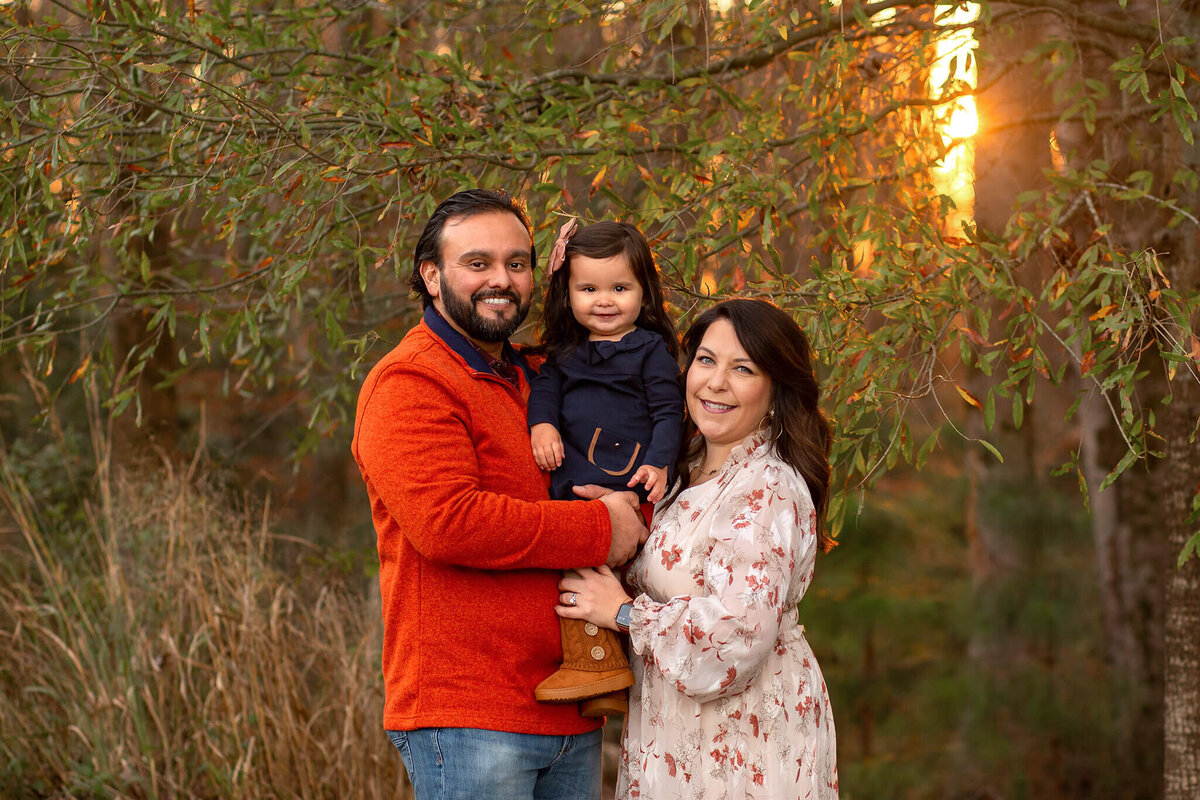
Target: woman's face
{"points": [[727, 394]]}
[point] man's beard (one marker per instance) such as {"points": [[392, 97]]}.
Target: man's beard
{"points": [[462, 313]]}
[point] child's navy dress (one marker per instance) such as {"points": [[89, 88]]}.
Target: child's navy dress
{"points": [[616, 405]]}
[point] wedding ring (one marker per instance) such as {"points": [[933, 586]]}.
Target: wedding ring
{"points": [[571, 602]]}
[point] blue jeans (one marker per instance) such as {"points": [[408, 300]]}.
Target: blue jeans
{"points": [[469, 763]]}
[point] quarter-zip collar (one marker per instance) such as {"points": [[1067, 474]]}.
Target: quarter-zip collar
{"points": [[460, 345]]}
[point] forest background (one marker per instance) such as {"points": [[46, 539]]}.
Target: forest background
{"points": [[984, 214]]}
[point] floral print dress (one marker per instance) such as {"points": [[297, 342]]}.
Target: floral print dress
{"points": [[729, 701]]}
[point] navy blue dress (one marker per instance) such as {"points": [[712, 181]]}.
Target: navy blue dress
{"points": [[616, 405]]}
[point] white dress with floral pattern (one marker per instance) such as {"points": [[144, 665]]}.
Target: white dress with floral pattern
{"points": [[729, 701]]}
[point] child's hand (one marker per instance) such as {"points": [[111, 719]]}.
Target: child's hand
{"points": [[655, 479], [547, 446]]}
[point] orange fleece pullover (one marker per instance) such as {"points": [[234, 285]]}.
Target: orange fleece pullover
{"points": [[469, 544]]}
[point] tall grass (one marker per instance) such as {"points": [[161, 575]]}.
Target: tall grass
{"points": [[165, 657]]}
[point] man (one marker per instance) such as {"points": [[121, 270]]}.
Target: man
{"points": [[469, 546]]}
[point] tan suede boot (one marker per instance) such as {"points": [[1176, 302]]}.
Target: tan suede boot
{"points": [[594, 664], [606, 705]]}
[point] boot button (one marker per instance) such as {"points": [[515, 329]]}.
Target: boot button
{"points": [[590, 629], [598, 653]]}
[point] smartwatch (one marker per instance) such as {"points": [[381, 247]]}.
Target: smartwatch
{"points": [[623, 614]]}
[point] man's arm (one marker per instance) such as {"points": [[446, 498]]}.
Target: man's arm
{"points": [[414, 448]]}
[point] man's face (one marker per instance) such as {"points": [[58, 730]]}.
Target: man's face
{"points": [[485, 283]]}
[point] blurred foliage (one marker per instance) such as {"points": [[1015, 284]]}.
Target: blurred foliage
{"points": [[235, 189], [217, 199], [945, 684]]}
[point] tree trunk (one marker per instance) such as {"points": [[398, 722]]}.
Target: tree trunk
{"points": [[1178, 481]]}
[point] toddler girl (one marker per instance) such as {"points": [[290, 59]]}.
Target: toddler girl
{"points": [[606, 409]]}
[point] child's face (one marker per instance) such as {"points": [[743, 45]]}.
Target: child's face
{"points": [[605, 296]]}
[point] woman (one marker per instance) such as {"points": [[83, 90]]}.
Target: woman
{"points": [[729, 701]]}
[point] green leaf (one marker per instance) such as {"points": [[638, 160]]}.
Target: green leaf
{"points": [[1190, 547], [1124, 464], [991, 449]]}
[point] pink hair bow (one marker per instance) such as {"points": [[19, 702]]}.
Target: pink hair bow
{"points": [[558, 254]]}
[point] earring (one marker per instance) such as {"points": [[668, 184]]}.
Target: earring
{"points": [[768, 422]]}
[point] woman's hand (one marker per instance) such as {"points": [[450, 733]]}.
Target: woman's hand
{"points": [[594, 595]]}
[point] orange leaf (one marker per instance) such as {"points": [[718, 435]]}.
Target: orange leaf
{"points": [[1104, 312], [1024, 354], [646, 174], [739, 279], [266, 262], [75, 376], [334, 179], [287, 194], [970, 398], [1060, 285], [633, 127], [974, 337], [585, 134], [597, 180], [396, 145], [1089, 361]]}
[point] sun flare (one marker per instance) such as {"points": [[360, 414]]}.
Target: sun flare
{"points": [[954, 73]]}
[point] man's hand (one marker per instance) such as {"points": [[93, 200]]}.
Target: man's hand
{"points": [[547, 446], [628, 532]]}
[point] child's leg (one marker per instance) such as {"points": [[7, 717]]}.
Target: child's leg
{"points": [[647, 510], [594, 664]]}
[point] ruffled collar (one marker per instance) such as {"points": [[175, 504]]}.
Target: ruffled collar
{"points": [[756, 445]]}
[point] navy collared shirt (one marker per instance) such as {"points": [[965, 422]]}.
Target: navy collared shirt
{"points": [[475, 357]]}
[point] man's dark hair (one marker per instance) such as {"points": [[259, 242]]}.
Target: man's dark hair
{"points": [[460, 205]]}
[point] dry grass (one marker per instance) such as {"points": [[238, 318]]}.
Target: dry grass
{"points": [[167, 658]]}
